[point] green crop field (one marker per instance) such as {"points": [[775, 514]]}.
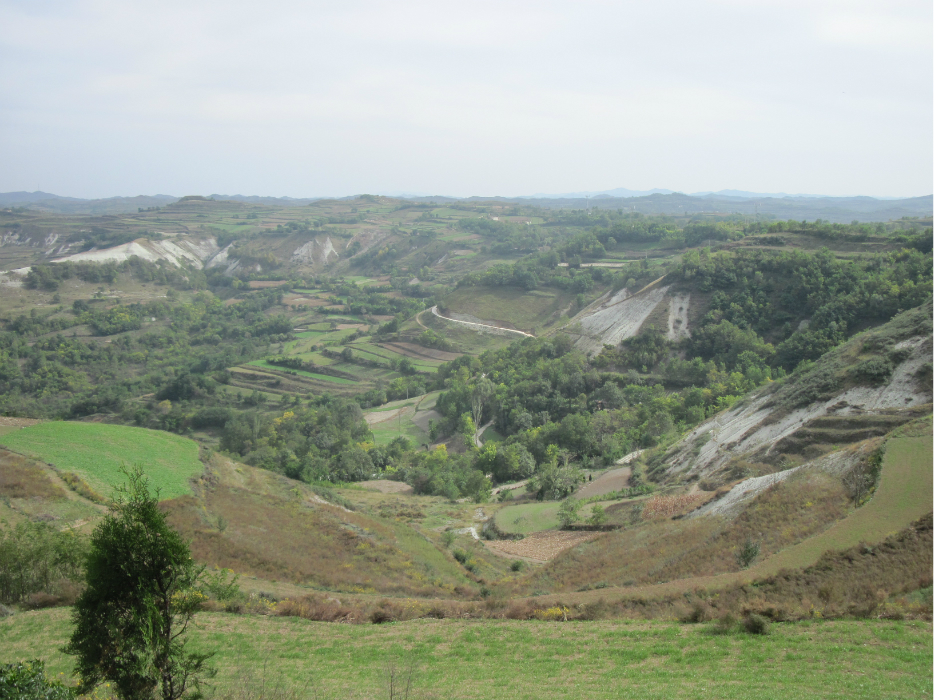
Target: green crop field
{"points": [[518, 660], [528, 517], [96, 452]]}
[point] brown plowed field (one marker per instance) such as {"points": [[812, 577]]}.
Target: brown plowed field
{"points": [[541, 546], [257, 284], [386, 486]]}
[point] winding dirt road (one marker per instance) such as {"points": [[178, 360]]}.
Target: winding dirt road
{"points": [[434, 310]]}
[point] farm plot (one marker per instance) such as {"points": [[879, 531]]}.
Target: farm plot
{"points": [[608, 482], [406, 418], [301, 373], [419, 352], [299, 300], [541, 546], [507, 307], [386, 486], [96, 452], [385, 355]]}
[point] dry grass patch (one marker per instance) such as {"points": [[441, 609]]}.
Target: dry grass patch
{"points": [[21, 477], [291, 538]]}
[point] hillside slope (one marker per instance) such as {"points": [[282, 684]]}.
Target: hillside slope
{"points": [[868, 386]]}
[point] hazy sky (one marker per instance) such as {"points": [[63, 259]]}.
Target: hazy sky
{"points": [[101, 98]]}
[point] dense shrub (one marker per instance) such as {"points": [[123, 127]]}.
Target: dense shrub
{"points": [[26, 680], [34, 559]]}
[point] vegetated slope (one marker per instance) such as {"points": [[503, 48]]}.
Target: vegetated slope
{"points": [[794, 522], [868, 386], [31, 490], [261, 525], [265, 525], [776, 464], [96, 452], [903, 496]]}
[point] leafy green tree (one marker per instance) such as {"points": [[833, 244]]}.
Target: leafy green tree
{"points": [[569, 512], [141, 595], [35, 557], [598, 516]]}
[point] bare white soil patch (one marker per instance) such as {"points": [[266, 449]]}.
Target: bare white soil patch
{"points": [[678, 317], [744, 427], [314, 252], [733, 502], [191, 251], [13, 278], [617, 319]]}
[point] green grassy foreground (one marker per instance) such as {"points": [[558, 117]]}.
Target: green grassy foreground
{"points": [[503, 659], [97, 451]]}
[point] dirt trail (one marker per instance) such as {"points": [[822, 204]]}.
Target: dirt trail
{"points": [[510, 487]]}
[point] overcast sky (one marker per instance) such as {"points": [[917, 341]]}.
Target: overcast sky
{"points": [[101, 98]]}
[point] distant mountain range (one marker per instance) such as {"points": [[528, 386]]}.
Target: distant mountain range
{"points": [[623, 192], [658, 201]]}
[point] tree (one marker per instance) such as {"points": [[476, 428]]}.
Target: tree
{"points": [[598, 516], [569, 512], [141, 595], [482, 392]]}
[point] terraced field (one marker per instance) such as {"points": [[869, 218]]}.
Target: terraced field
{"points": [[301, 373], [408, 418], [509, 307]]}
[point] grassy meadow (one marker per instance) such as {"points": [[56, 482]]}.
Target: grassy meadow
{"points": [[96, 452], [527, 518], [538, 659]]}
